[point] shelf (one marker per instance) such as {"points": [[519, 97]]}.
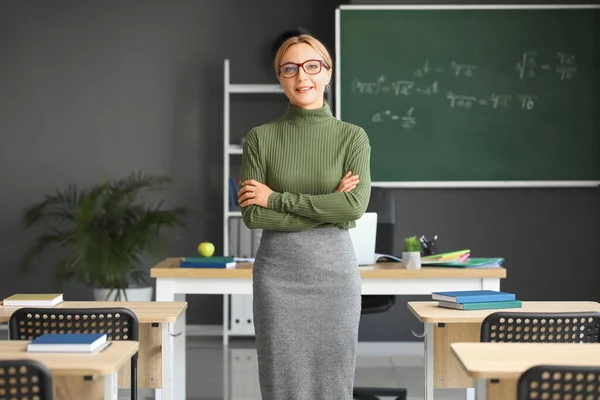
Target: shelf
{"points": [[255, 88], [234, 149]]}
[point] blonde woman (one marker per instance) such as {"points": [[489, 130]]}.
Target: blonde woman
{"points": [[305, 181]]}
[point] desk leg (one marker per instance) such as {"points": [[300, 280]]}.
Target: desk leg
{"points": [[428, 361], [166, 291], [480, 389], [167, 355], [111, 387], [470, 394]]}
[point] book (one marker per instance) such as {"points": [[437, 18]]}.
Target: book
{"points": [[472, 296], [207, 262], [207, 265], [445, 257], [481, 306], [35, 300], [472, 262], [68, 342]]}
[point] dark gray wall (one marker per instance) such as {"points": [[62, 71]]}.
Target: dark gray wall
{"points": [[99, 89]]}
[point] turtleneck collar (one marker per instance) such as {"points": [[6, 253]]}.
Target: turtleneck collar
{"points": [[305, 116]]}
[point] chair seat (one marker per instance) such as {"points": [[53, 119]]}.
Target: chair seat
{"points": [[372, 393]]}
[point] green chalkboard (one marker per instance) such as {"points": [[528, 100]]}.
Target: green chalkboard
{"points": [[473, 94]]}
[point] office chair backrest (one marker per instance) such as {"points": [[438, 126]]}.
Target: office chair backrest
{"points": [[20, 379], [383, 202], [559, 382], [118, 323], [579, 327]]}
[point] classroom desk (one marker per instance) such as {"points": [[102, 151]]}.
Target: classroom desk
{"points": [[444, 326], [173, 283], [158, 361], [69, 370], [496, 367]]}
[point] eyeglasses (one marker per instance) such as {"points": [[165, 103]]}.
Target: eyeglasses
{"points": [[311, 67]]}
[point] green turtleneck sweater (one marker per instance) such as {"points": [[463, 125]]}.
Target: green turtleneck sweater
{"points": [[302, 156]]}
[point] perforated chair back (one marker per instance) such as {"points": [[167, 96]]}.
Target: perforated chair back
{"points": [[118, 323], [25, 379], [577, 327], [559, 382]]}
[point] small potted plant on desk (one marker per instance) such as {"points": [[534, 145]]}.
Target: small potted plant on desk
{"points": [[411, 257], [104, 233]]}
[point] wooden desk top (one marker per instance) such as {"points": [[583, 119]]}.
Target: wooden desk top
{"points": [[146, 312], [428, 311], [510, 360], [63, 364], [169, 268]]}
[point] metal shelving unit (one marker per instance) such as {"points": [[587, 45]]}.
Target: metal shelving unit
{"points": [[234, 150]]}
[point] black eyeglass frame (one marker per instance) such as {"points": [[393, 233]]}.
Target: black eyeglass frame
{"points": [[301, 65]]}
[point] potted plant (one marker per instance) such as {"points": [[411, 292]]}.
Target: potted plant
{"points": [[104, 233], [411, 257]]}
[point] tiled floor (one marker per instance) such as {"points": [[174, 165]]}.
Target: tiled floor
{"points": [[206, 379]]}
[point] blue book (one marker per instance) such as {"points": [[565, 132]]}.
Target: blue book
{"points": [[68, 342], [472, 296], [223, 265]]}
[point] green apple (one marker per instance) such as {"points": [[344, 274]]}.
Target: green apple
{"points": [[206, 249]]}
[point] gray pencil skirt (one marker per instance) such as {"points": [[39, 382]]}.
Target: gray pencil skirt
{"points": [[306, 313]]}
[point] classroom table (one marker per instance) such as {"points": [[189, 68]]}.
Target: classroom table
{"points": [[173, 283], [444, 326], [71, 372], [496, 367], [161, 325]]}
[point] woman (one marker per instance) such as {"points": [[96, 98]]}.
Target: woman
{"points": [[305, 181]]}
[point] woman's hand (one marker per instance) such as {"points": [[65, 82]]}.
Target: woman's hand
{"points": [[254, 192], [347, 183]]}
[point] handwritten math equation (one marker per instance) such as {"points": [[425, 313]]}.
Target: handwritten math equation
{"points": [[530, 66]]}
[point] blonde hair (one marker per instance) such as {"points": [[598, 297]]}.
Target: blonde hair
{"points": [[309, 40]]}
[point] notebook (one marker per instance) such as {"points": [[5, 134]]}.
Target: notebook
{"points": [[363, 238], [31, 299], [473, 296], [68, 342]]}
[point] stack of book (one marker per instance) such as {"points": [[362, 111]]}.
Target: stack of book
{"points": [[33, 300], [461, 259], [207, 262], [68, 343], [476, 300]]}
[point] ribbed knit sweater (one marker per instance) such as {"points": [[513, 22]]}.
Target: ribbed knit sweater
{"points": [[302, 157]]}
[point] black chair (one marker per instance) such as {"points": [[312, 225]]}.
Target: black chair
{"points": [[25, 379], [383, 203], [565, 327], [559, 382], [118, 323]]}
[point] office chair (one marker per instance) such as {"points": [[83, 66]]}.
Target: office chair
{"points": [[25, 379], [118, 323], [559, 382], [382, 202], [566, 327]]}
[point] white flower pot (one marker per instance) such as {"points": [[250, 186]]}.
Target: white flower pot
{"points": [[131, 294], [411, 260]]}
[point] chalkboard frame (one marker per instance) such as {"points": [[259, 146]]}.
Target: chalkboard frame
{"points": [[452, 184]]}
